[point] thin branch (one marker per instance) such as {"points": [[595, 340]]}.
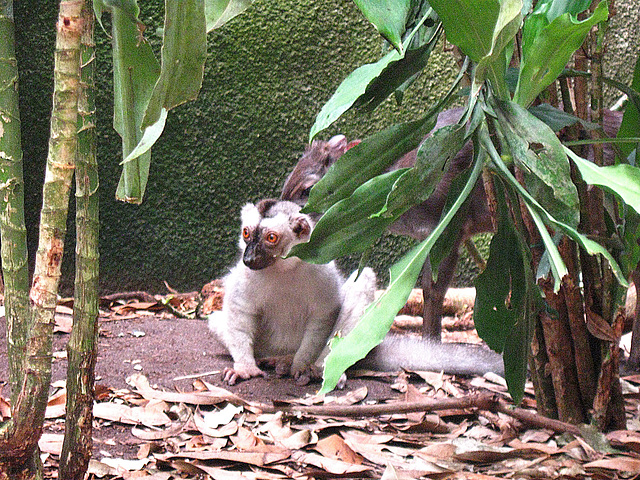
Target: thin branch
{"points": [[480, 401]]}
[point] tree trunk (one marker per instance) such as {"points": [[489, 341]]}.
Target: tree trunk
{"points": [[81, 349], [19, 437], [12, 227]]}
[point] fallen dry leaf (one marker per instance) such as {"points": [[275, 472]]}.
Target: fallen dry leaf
{"points": [[335, 447], [150, 435], [245, 439], [620, 464], [213, 396], [265, 455], [51, 443], [299, 439], [625, 438], [131, 415], [203, 426], [336, 467], [350, 398]]}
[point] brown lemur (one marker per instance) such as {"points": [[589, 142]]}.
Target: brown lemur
{"points": [[287, 308], [419, 221]]}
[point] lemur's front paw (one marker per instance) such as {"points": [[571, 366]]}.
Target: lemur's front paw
{"points": [[281, 364], [305, 374], [241, 372]]}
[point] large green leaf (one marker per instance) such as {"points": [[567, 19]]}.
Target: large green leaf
{"points": [[350, 225], [541, 158], [219, 12], [557, 119], [474, 35], [389, 17], [493, 65], [558, 267], [179, 80], [370, 84], [622, 180], [351, 88], [397, 74], [548, 48], [502, 291], [418, 183], [369, 158], [135, 72], [377, 320], [590, 246], [184, 51], [545, 12], [488, 27]]}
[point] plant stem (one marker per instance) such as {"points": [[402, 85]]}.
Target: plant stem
{"points": [[81, 349], [12, 227], [19, 437]]}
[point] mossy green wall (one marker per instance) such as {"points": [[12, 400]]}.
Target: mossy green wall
{"points": [[268, 73]]}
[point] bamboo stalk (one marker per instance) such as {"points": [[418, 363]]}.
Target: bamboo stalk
{"points": [[12, 227], [81, 349], [574, 304], [559, 345], [19, 437]]}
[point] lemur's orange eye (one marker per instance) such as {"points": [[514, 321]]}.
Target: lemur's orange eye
{"points": [[272, 238], [246, 233]]}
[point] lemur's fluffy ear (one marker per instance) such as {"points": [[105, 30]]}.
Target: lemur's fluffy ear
{"points": [[300, 227], [250, 214]]}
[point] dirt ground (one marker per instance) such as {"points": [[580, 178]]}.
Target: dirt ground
{"points": [[166, 349]]}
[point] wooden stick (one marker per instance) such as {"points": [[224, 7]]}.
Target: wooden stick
{"points": [[480, 401]]}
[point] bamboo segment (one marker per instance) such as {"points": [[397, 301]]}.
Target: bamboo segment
{"points": [[81, 349], [12, 227], [19, 438]]}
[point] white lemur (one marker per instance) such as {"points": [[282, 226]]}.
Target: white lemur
{"points": [[287, 308], [419, 221]]}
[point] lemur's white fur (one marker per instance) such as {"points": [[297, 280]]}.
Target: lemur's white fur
{"points": [[293, 308]]}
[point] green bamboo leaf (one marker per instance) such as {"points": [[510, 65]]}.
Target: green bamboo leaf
{"points": [[350, 226], [377, 319], [474, 36], [379, 316], [351, 88], [545, 12], [557, 119], [590, 246], [398, 74], [369, 158], [622, 180], [370, 84], [184, 51], [488, 28], [500, 288], [558, 267], [149, 138], [127, 7], [493, 65], [389, 17], [418, 183], [135, 72], [541, 158], [219, 12], [506, 293], [548, 49]]}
